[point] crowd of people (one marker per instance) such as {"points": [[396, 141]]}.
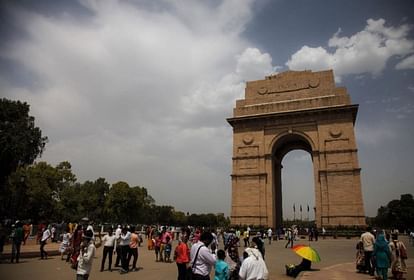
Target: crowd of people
{"points": [[378, 251], [196, 250]]}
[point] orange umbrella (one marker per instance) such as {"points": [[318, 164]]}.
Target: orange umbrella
{"points": [[307, 252]]}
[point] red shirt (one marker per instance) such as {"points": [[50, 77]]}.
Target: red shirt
{"points": [[182, 253]]}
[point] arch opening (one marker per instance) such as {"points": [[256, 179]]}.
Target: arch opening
{"points": [[282, 147], [298, 188]]}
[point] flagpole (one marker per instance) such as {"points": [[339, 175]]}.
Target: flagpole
{"points": [[294, 212]]}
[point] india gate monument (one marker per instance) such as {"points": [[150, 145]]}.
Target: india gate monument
{"points": [[288, 111]]}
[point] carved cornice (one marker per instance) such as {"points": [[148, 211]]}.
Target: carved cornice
{"points": [[249, 175], [295, 114], [317, 153], [345, 170]]}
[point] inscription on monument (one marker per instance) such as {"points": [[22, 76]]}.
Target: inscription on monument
{"points": [[289, 85]]}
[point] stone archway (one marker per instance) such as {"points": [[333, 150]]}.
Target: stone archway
{"points": [[295, 110], [284, 144]]}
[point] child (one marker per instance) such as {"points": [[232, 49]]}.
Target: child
{"points": [[221, 267], [64, 246], [168, 250], [157, 246]]}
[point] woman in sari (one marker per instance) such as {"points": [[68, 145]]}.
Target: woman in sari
{"points": [[76, 244], [231, 247], [398, 257]]}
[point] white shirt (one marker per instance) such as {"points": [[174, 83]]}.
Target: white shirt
{"points": [[90, 227], [85, 259], [46, 235], [109, 241], [269, 232], [368, 240], [125, 239], [66, 238], [253, 267], [205, 259], [118, 232]]}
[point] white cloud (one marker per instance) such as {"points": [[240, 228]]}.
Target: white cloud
{"points": [[367, 51], [253, 65], [140, 93], [407, 63]]}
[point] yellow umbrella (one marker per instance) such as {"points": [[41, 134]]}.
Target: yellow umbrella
{"points": [[307, 252]]}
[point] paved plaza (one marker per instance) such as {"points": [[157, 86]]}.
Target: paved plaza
{"points": [[337, 263]]}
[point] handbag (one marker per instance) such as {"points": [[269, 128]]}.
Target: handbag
{"points": [[189, 274]]}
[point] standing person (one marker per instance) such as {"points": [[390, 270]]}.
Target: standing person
{"points": [[182, 257], [151, 235], [289, 237], [368, 240], [259, 244], [316, 233], [202, 260], [253, 265], [85, 258], [246, 238], [398, 257], [109, 244], [53, 232], [382, 256], [45, 236], [168, 247], [76, 243], [133, 248], [118, 232], [125, 239], [163, 236], [233, 252], [214, 244], [269, 235], [40, 229], [26, 232], [157, 246], [17, 239], [90, 227], [64, 246], [221, 269]]}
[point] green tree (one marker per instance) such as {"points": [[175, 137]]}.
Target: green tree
{"points": [[69, 205], [35, 191], [21, 142], [92, 197], [397, 213], [117, 203]]}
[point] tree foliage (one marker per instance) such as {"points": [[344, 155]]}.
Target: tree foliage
{"points": [[21, 142], [397, 213]]}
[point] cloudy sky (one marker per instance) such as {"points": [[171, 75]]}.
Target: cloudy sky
{"points": [[140, 91]]}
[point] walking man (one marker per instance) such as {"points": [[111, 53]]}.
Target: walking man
{"points": [[368, 240], [289, 237], [17, 241], [45, 236]]}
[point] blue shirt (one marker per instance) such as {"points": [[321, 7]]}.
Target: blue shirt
{"points": [[221, 270]]}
